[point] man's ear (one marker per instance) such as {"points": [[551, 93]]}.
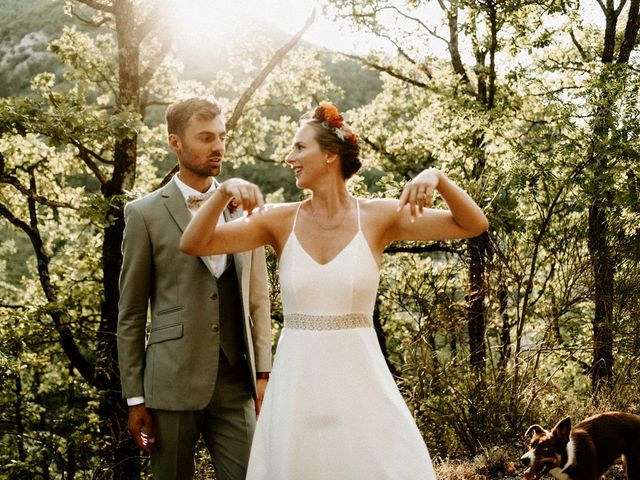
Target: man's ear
{"points": [[174, 143]]}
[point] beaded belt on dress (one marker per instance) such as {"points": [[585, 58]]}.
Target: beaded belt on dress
{"points": [[301, 321]]}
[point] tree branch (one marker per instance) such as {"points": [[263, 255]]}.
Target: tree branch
{"points": [[167, 178], [66, 338], [431, 31], [378, 148], [85, 155], [147, 25], [277, 58], [579, 47], [265, 159], [538, 245], [15, 221], [434, 247], [88, 22], [14, 307], [11, 180], [388, 70], [630, 32], [620, 7], [453, 44], [96, 5], [398, 48]]}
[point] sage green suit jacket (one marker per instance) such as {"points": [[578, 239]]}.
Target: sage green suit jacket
{"points": [[172, 359]]}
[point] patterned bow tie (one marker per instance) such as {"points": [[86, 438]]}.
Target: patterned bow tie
{"points": [[194, 201]]}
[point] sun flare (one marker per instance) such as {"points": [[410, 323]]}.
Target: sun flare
{"points": [[195, 22]]}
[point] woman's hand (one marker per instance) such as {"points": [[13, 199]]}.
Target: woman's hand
{"points": [[418, 193], [246, 194]]}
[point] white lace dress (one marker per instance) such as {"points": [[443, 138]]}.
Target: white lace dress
{"points": [[332, 410]]}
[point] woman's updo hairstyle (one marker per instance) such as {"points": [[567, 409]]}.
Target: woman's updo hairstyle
{"points": [[334, 136]]}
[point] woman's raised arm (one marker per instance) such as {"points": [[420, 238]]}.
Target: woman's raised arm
{"points": [[417, 221], [204, 236]]}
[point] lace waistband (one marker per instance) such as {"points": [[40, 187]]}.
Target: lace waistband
{"points": [[301, 321]]}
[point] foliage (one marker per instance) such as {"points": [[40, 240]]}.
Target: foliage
{"points": [[528, 119]]}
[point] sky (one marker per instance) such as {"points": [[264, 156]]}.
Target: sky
{"points": [[212, 21], [224, 20]]}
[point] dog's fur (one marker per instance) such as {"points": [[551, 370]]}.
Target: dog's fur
{"points": [[587, 451]]}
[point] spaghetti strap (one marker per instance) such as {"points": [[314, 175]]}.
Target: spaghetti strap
{"points": [[295, 219], [358, 212]]}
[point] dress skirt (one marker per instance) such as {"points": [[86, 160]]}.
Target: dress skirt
{"points": [[333, 411]]}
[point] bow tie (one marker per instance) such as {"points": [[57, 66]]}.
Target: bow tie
{"points": [[194, 201]]}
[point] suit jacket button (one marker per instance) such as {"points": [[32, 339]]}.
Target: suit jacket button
{"points": [[215, 328], [214, 296]]}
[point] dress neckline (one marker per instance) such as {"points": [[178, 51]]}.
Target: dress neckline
{"points": [[342, 250], [293, 234]]}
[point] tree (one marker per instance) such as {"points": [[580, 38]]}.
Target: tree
{"points": [[605, 151]]}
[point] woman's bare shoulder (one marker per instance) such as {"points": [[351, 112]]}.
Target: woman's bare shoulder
{"points": [[278, 219], [377, 201], [378, 205], [280, 210], [275, 215]]}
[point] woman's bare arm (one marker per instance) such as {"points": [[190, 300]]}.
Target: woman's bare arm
{"points": [[204, 237], [415, 220]]}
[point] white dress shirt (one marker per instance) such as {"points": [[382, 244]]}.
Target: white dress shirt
{"points": [[217, 263]]}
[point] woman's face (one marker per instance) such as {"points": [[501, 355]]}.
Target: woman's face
{"points": [[306, 158]]}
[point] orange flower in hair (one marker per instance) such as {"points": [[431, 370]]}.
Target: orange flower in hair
{"points": [[329, 117], [350, 135], [327, 112]]}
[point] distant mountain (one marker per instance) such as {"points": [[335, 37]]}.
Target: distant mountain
{"points": [[24, 37], [29, 25]]}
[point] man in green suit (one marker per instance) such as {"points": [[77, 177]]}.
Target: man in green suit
{"points": [[200, 366]]}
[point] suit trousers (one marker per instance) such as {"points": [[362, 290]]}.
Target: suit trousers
{"points": [[226, 425]]}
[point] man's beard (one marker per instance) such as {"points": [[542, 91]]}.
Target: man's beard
{"points": [[206, 170]]}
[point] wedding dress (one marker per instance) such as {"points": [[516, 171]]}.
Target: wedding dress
{"points": [[332, 410]]}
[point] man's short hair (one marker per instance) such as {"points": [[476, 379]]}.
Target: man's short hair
{"points": [[181, 111]]}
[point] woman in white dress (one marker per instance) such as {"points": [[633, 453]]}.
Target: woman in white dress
{"points": [[332, 410]]}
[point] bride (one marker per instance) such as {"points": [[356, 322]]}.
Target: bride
{"points": [[332, 409]]}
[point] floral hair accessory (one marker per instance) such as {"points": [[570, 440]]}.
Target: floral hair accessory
{"points": [[329, 117]]}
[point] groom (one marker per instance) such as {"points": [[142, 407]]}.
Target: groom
{"points": [[200, 366]]}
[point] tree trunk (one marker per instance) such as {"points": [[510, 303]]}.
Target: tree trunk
{"points": [[19, 422], [505, 330], [382, 339], [613, 80], [71, 464], [475, 301], [120, 450], [603, 272]]}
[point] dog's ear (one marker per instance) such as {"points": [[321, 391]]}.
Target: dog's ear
{"points": [[563, 429], [534, 429]]}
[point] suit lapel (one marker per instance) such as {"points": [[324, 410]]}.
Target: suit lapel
{"points": [[175, 204], [177, 208]]}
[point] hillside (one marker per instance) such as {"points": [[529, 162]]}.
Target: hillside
{"points": [[24, 38], [23, 41]]}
